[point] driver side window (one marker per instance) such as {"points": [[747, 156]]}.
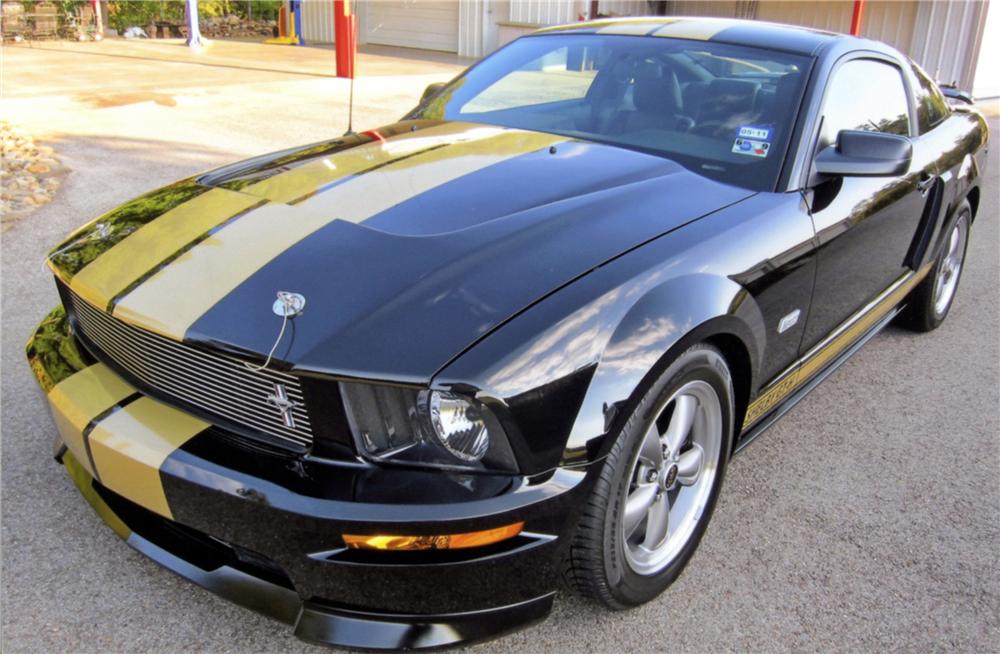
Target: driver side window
{"points": [[866, 95]]}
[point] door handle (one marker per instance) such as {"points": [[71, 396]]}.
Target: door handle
{"points": [[926, 183]]}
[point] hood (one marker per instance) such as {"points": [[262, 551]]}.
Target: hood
{"points": [[409, 243]]}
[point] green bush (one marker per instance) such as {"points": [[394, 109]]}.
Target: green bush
{"points": [[126, 13]]}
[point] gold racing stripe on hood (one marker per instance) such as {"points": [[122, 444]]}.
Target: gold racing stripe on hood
{"points": [[81, 398], [295, 184], [177, 295], [155, 242], [130, 445]]}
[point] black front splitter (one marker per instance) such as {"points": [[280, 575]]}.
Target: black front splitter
{"points": [[313, 621], [348, 628]]}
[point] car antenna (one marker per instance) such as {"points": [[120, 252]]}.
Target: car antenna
{"points": [[350, 99], [350, 110]]}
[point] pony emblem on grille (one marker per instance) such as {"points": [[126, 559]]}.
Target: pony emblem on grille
{"points": [[279, 400]]}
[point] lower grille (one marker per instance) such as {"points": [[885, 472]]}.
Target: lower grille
{"points": [[217, 384]]}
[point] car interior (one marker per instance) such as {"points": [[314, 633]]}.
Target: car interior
{"points": [[682, 102]]}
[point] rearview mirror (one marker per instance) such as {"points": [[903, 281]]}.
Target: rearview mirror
{"points": [[865, 154], [431, 91]]}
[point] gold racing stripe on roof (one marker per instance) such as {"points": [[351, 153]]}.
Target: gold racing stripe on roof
{"points": [[130, 445], [639, 27], [701, 29], [175, 297]]}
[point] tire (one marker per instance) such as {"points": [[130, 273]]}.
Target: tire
{"points": [[620, 571], [929, 303]]}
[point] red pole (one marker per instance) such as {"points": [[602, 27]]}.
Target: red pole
{"points": [[859, 8], [344, 30]]}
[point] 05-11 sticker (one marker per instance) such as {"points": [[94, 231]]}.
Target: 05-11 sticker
{"points": [[752, 140]]}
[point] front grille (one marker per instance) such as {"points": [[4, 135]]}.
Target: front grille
{"points": [[216, 384]]}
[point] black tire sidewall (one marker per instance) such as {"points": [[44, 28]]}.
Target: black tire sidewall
{"points": [[704, 363]]}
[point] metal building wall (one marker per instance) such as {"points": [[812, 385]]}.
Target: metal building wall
{"points": [[947, 38], [547, 12], [721, 8], [623, 8], [891, 22], [943, 36], [475, 28], [317, 21]]}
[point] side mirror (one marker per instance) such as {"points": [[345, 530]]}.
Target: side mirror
{"points": [[431, 91], [865, 154], [953, 94]]}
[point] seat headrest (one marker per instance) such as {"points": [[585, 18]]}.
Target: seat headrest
{"points": [[656, 89], [728, 97]]}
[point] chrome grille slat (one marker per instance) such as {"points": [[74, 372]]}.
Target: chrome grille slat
{"points": [[98, 316], [182, 390], [168, 377], [219, 384], [110, 344]]}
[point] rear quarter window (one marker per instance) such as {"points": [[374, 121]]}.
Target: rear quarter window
{"points": [[932, 108]]}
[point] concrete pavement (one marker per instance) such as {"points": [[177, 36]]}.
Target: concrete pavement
{"points": [[867, 519]]}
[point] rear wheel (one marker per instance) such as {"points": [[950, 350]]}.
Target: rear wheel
{"points": [[658, 486], [931, 301]]}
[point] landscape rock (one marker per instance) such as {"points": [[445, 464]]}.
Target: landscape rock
{"points": [[29, 176]]}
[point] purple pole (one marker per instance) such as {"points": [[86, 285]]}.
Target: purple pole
{"points": [[191, 16]]}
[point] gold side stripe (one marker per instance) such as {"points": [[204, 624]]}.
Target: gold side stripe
{"points": [[130, 445], [150, 245], [84, 482], [176, 296], [820, 356], [79, 399]]}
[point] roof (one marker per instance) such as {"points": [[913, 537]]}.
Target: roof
{"points": [[752, 33]]}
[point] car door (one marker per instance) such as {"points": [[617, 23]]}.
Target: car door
{"points": [[864, 225], [939, 153]]}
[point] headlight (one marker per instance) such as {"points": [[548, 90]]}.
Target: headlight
{"points": [[459, 425], [399, 424]]}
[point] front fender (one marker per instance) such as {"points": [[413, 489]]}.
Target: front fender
{"points": [[668, 319], [565, 366]]}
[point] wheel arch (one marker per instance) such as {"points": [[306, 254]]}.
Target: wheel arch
{"points": [[973, 197], [717, 311], [737, 355]]}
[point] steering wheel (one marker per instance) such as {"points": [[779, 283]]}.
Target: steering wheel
{"points": [[708, 127]]}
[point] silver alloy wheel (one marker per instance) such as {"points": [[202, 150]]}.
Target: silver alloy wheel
{"points": [[671, 478], [947, 277]]}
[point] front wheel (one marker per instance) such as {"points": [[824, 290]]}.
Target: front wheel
{"points": [[931, 301], [658, 485]]}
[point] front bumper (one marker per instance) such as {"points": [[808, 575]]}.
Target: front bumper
{"points": [[264, 528]]}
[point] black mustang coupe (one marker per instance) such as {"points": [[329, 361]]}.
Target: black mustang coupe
{"points": [[391, 388]]}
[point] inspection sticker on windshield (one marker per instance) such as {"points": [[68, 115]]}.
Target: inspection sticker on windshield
{"points": [[751, 147], [752, 132]]}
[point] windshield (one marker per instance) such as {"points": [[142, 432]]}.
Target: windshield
{"points": [[722, 111]]}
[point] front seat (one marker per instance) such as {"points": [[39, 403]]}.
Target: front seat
{"points": [[656, 96]]}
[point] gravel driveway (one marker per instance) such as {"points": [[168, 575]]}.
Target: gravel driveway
{"points": [[867, 519]]}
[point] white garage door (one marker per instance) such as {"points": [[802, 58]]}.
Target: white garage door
{"points": [[414, 24]]}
